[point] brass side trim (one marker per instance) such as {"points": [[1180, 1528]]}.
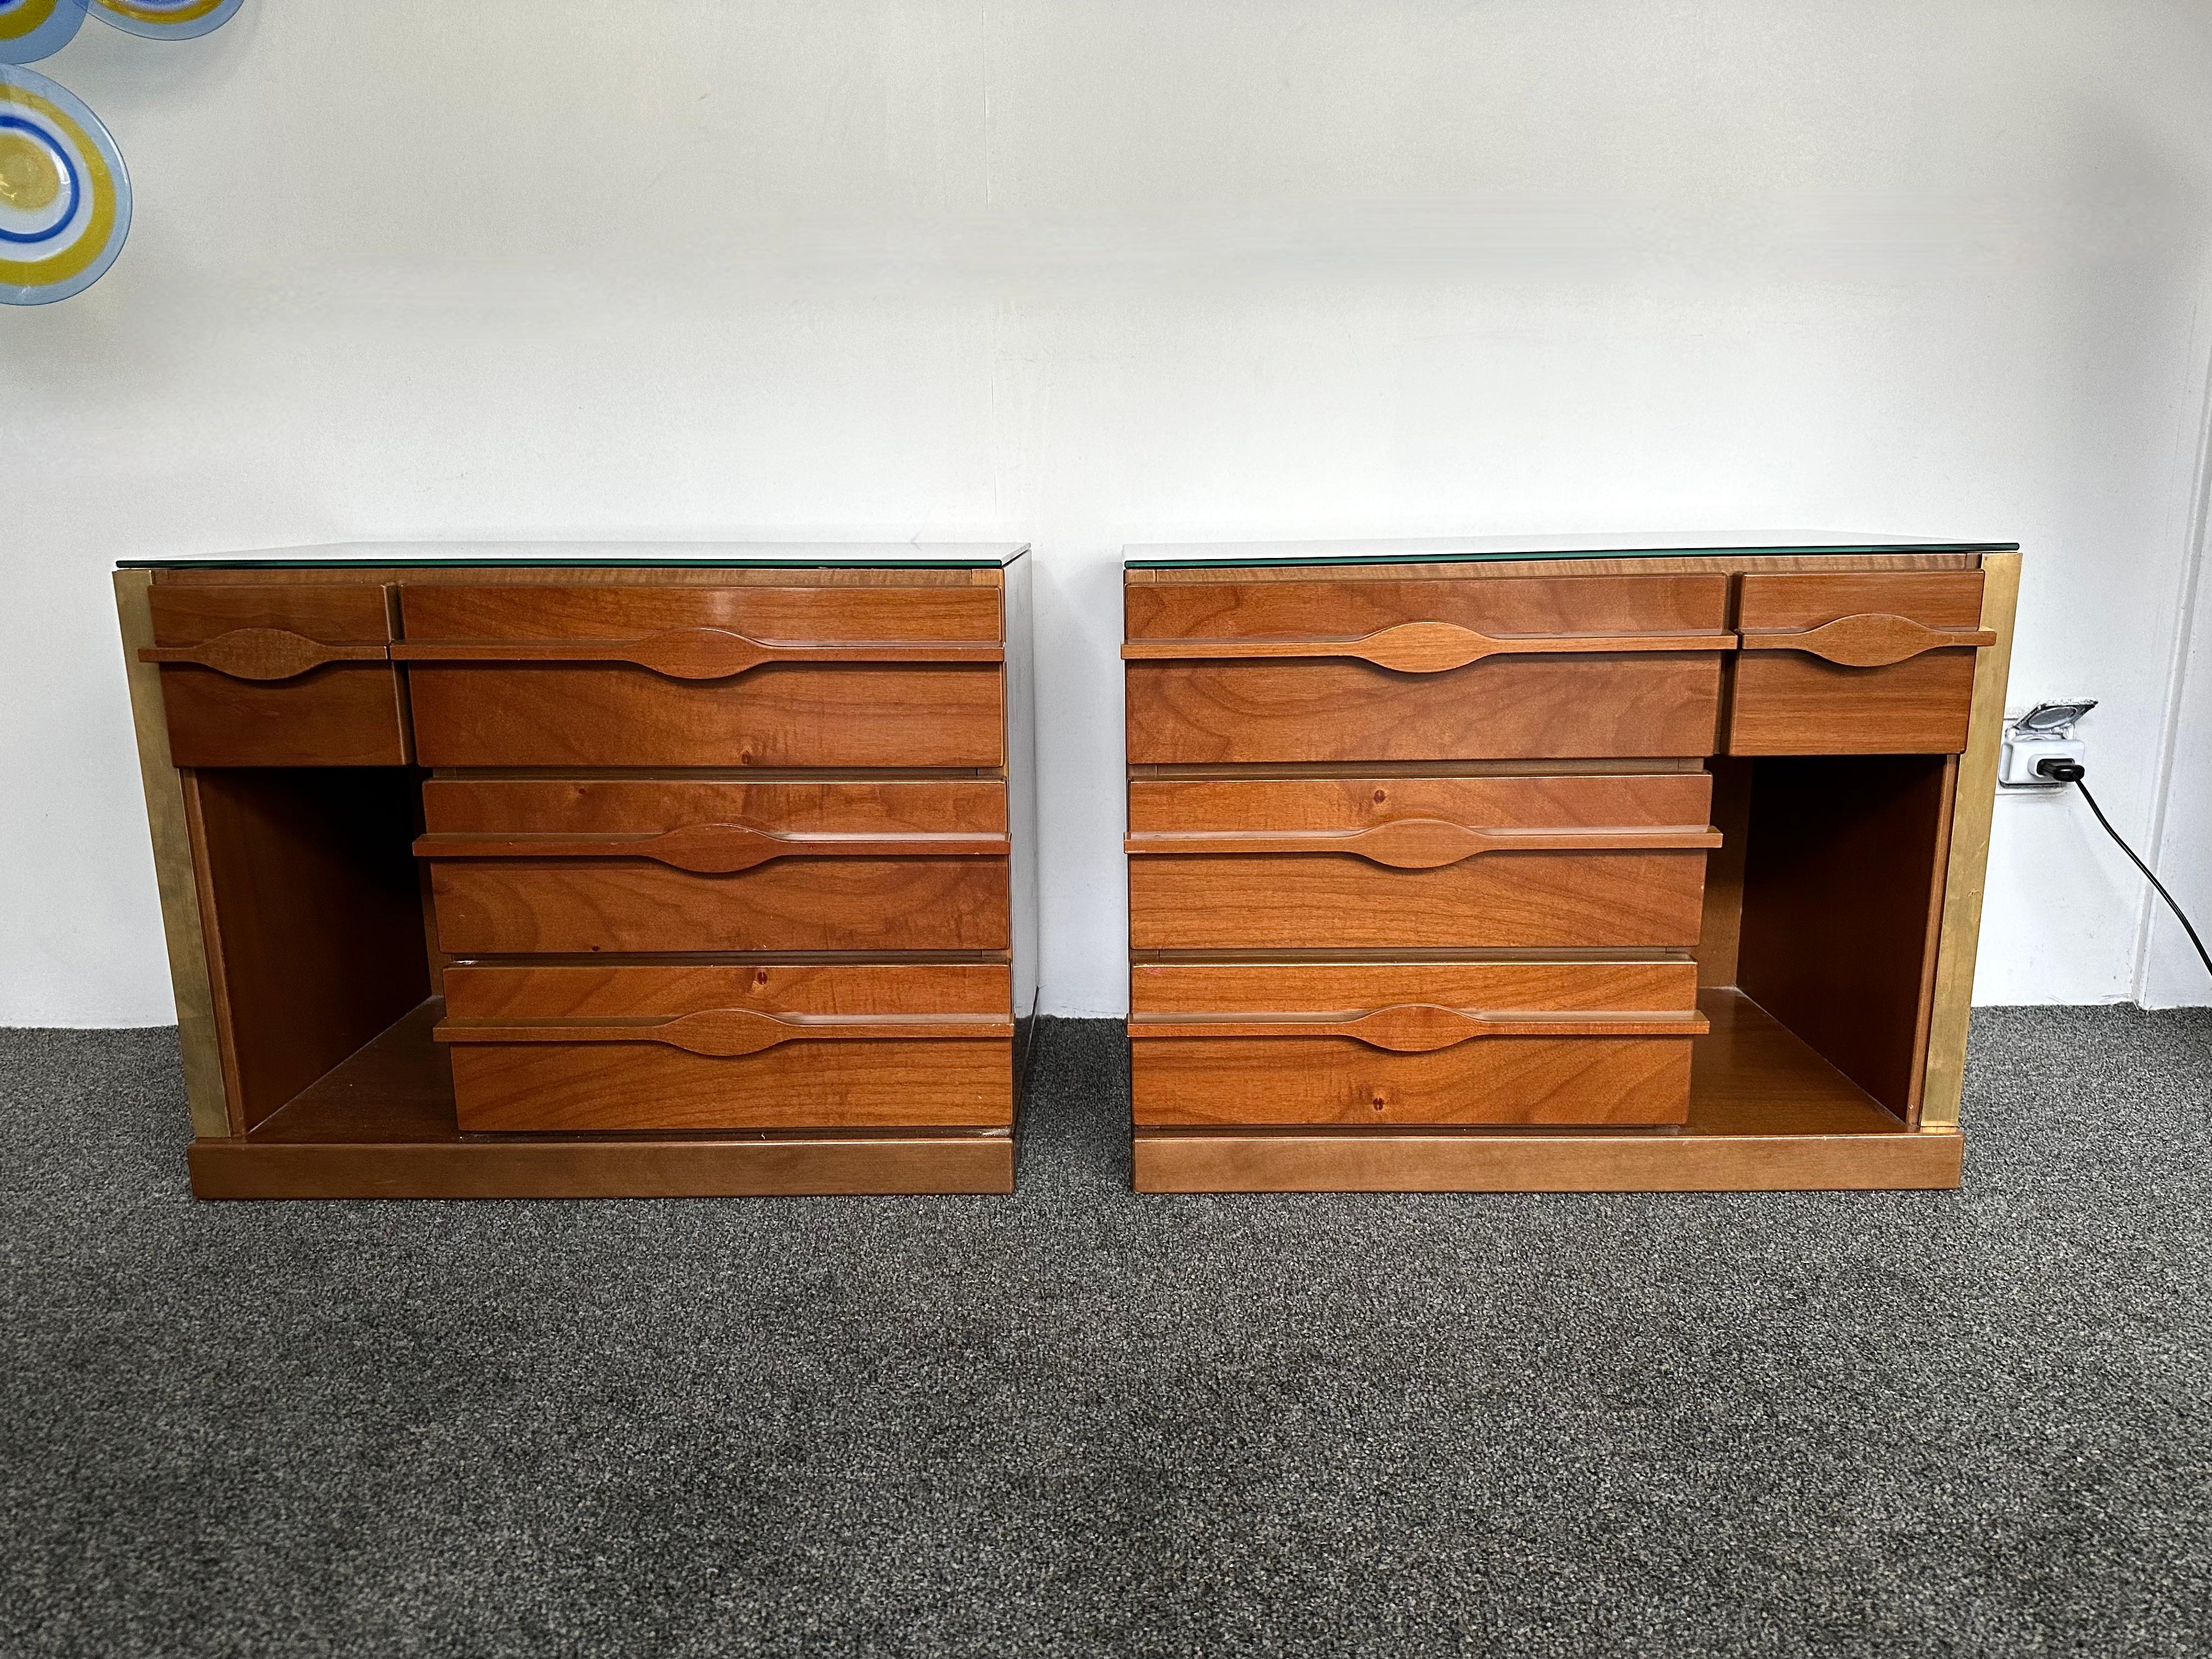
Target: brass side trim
{"points": [[1972, 809], [173, 865]]}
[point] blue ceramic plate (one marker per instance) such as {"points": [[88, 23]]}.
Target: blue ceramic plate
{"points": [[32, 29], [64, 197]]}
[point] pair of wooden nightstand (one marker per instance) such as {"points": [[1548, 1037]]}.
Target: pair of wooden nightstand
{"points": [[647, 870]]}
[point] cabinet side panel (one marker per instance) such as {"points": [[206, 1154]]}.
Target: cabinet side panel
{"points": [[1973, 806], [172, 865], [1021, 797]]}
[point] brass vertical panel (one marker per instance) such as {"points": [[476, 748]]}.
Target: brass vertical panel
{"points": [[1971, 813], [172, 865]]}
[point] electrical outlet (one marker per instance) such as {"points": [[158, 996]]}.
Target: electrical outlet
{"points": [[2045, 732]]}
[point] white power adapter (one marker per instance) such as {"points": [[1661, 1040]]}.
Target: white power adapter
{"points": [[2023, 754]]}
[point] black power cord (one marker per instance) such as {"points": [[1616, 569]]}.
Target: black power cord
{"points": [[2072, 771]]}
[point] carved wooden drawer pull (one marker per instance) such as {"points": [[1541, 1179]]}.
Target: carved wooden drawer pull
{"points": [[1424, 647], [709, 849], [1869, 640], [694, 653], [262, 653], [729, 1033], [1423, 843], [1419, 1027]]}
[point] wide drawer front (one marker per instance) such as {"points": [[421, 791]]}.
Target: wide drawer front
{"points": [[1592, 1044], [1455, 668], [685, 865], [546, 676], [1419, 863], [636, 1047], [1856, 665], [278, 676]]}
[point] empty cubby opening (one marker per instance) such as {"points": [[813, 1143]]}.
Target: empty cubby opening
{"points": [[1824, 904], [312, 909]]}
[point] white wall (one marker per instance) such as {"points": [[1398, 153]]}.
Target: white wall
{"points": [[1089, 272]]}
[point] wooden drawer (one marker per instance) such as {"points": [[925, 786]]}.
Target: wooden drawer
{"points": [[1598, 1044], [613, 1047], [524, 676], [572, 865], [1449, 668], [1856, 665], [278, 676], [1419, 863]]}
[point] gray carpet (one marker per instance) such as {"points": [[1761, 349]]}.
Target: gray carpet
{"points": [[1076, 1421]]}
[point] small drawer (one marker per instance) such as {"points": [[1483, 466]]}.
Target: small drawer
{"points": [[528, 675], [1395, 1045], [1436, 668], [617, 1048], [565, 865], [1879, 664], [274, 675], [1419, 863]]}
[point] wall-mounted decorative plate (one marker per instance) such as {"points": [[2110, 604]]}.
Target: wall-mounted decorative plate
{"points": [[32, 29], [64, 197], [168, 20]]}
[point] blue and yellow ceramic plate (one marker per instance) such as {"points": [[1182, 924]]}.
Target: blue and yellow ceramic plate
{"points": [[168, 20], [32, 29], [64, 197]]}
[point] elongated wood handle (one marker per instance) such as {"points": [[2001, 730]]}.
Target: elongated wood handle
{"points": [[1425, 843], [1868, 639], [728, 1033], [262, 653], [710, 849], [1424, 647], [1419, 1027], [695, 654]]}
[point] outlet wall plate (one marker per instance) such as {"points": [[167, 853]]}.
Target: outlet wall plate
{"points": [[2023, 751]]}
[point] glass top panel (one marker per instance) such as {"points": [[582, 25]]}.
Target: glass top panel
{"points": [[1470, 550], [815, 555]]}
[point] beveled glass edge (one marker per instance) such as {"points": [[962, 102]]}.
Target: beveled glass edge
{"points": [[565, 564], [1477, 556], [245, 561]]}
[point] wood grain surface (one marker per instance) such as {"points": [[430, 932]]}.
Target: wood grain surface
{"points": [[1417, 863], [1974, 804], [495, 906], [183, 925], [1596, 985], [646, 806], [1509, 707], [557, 609], [1559, 1080], [1324, 608], [551, 715], [350, 613], [1787, 700], [1400, 1044]]}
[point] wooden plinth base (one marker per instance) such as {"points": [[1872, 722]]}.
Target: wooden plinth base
{"points": [[1767, 1114], [1207, 1162], [381, 1126], [527, 1167]]}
